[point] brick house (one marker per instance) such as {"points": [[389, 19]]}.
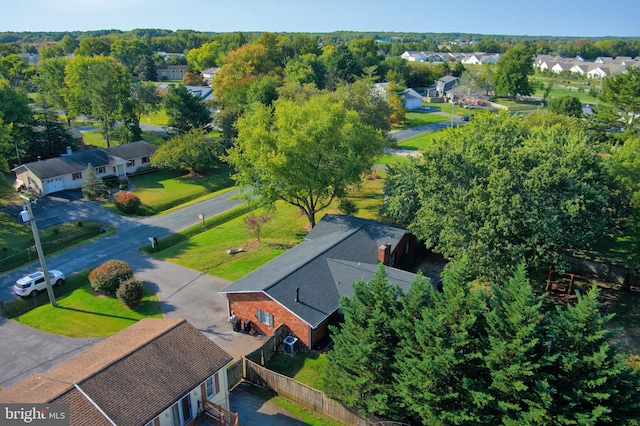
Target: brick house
{"points": [[301, 288], [157, 372]]}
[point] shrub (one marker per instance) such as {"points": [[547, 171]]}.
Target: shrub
{"points": [[124, 184], [348, 206], [127, 202], [55, 231], [108, 276], [79, 224], [130, 292]]}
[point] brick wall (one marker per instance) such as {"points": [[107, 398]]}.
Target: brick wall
{"points": [[245, 306], [400, 253]]}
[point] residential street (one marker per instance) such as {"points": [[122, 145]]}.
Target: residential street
{"points": [[183, 292]]}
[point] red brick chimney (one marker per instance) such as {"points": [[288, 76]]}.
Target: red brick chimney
{"points": [[384, 253]]}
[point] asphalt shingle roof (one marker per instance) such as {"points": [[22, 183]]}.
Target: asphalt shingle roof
{"points": [[132, 376], [330, 253]]}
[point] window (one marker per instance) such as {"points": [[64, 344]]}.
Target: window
{"points": [[145, 160], [213, 386], [131, 163], [392, 261], [150, 423], [77, 175], [101, 169], [407, 247], [265, 317], [181, 411]]}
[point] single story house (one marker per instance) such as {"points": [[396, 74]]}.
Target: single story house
{"points": [[411, 99], [65, 172], [414, 56], [209, 73], [157, 372], [301, 288]]}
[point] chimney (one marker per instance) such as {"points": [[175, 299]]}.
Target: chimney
{"points": [[297, 294], [384, 253]]}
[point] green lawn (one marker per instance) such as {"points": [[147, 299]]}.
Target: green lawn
{"points": [[387, 159], [415, 119], [419, 142], [205, 251], [303, 367], [80, 312], [165, 189], [16, 237]]}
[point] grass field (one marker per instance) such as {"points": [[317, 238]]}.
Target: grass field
{"points": [[419, 142], [165, 189], [303, 367], [415, 119]]}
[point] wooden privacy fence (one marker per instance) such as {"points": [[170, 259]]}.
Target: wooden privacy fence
{"points": [[300, 393]]}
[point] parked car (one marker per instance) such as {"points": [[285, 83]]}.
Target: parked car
{"points": [[34, 283], [465, 118]]}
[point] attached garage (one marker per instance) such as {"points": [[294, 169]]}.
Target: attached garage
{"points": [[53, 185]]}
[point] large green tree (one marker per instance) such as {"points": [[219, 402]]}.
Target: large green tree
{"points": [[98, 87], [513, 71], [504, 189], [567, 105], [192, 151], [304, 154], [623, 92], [185, 111], [50, 80]]}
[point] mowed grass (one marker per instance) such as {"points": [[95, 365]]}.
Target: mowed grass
{"points": [[165, 189], [415, 119], [206, 251], [305, 368], [80, 312], [419, 142]]}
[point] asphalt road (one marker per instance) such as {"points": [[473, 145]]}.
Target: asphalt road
{"points": [[132, 233]]}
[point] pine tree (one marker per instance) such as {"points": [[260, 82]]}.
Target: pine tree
{"points": [[93, 187], [594, 384], [359, 366], [515, 353], [440, 376]]}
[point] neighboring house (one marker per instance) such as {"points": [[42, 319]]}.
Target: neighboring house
{"points": [[209, 73], [414, 56], [171, 72], [445, 84], [604, 60], [410, 98], [562, 66], [580, 69], [157, 372], [432, 56], [606, 70], [479, 58], [202, 93], [66, 171], [301, 288]]}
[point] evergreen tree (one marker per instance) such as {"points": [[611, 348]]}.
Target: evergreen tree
{"points": [[93, 187], [593, 383], [186, 112], [515, 352], [441, 378], [359, 366]]}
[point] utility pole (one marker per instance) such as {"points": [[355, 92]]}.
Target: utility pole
{"points": [[43, 264]]}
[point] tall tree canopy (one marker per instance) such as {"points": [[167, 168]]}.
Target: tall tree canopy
{"points": [[623, 92], [192, 151], [504, 189], [481, 355], [304, 154], [513, 71], [186, 112]]}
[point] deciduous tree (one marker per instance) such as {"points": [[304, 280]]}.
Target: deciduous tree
{"points": [[513, 71], [306, 155], [192, 151], [623, 92]]}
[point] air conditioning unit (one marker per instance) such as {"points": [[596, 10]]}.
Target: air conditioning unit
{"points": [[290, 344]]}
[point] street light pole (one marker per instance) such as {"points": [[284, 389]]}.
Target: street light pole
{"points": [[43, 264]]}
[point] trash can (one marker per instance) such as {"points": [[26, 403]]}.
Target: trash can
{"points": [[247, 325], [236, 323]]}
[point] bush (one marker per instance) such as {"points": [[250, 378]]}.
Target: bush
{"points": [[348, 206], [127, 202], [124, 184], [79, 224], [108, 276], [130, 292]]}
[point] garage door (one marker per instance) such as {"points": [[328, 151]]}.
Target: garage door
{"points": [[53, 185]]}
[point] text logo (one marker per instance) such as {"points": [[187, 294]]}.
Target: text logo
{"points": [[34, 414]]}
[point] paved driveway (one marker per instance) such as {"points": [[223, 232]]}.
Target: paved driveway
{"points": [[254, 407], [183, 292]]}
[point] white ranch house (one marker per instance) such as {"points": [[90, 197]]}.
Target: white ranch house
{"points": [[66, 172]]}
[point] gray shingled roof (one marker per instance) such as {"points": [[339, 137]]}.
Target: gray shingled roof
{"points": [[313, 266], [132, 376], [78, 161]]}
